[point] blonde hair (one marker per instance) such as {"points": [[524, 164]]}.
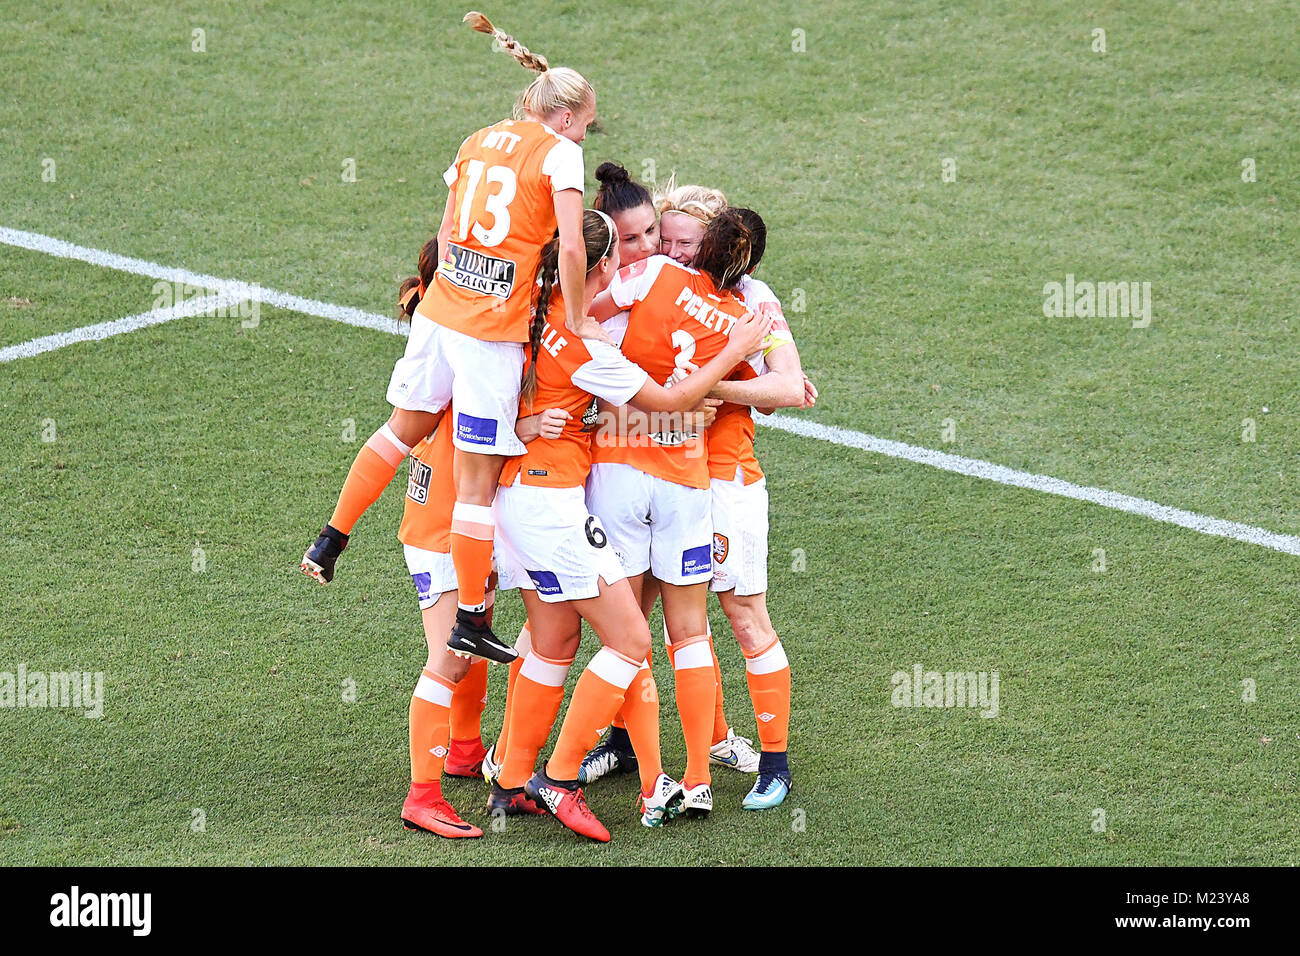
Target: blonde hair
{"points": [[555, 88], [699, 202]]}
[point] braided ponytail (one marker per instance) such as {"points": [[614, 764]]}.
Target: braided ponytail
{"points": [[527, 59], [548, 274], [555, 88]]}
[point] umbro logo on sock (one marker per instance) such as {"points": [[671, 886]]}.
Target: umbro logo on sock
{"points": [[765, 717]]}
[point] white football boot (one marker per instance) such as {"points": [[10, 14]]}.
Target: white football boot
{"points": [[664, 802], [697, 801], [738, 753]]}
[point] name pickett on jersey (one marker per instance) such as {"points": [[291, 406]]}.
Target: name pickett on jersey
{"points": [[707, 315], [477, 272]]}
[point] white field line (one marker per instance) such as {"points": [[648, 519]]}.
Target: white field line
{"points": [[976, 468], [972, 467], [282, 300], [91, 333]]}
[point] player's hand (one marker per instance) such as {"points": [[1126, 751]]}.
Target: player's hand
{"points": [[682, 370], [749, 333], [550, 423], [589, 328], [809, 393], [699, 419]]}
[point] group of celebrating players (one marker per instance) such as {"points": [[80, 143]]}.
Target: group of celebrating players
{"points": [[575, 398]]}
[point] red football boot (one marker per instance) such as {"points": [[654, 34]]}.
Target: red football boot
{"points": [[465, 758], [425, 809], [566, 805]]}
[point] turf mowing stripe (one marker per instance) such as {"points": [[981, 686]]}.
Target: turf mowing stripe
{"points": [[104, 330], [848, 438], [283, 300], [976, 468]]}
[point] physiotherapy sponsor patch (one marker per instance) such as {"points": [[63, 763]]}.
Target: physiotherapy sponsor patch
{"points": [[476, 431], [697, 560], [545, 581], [477, 272], [423, 585]]}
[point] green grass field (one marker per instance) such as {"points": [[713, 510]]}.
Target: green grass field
{"points": [[1120, 690]]}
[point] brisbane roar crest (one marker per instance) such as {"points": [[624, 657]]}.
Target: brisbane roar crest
{"points": [[720, 545]]}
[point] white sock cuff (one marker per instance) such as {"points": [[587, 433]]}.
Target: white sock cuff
{"points": [[525, 643], [479, 514], [771, 660], [541, 671], [432, 691], [392, 439], [693, 655], [613, 668]]}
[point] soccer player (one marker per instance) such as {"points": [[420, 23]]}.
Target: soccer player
{"points": [[740, 521], [685, 212], [653, 495], [447, 703], [512, 185], [558, 554]]}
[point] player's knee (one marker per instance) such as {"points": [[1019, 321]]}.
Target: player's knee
{"points": [[749, 633], [638, 643], [750, 625]]}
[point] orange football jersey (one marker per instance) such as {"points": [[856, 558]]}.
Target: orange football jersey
{"points": [[430, 491], [677, 316], [503, 184], [570, 370], [731, 436]]}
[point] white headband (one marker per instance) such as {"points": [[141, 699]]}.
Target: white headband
{"points": [[609, 224]]}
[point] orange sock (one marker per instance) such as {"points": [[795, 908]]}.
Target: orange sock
{"points": [[720, 725], [430, 726], [538, 693], [468, 701], [600, 692], [523, 645], [768, 674], [641, 705], [696, 693], [619, 720], [373, 469], [472, 530]]}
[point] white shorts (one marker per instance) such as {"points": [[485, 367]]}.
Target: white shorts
{"points": [[548, 543], [432, 573], [655, 525], [739, 536], [481, 378]]}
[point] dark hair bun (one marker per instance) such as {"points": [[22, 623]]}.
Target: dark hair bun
{"points": [[612, 173]]}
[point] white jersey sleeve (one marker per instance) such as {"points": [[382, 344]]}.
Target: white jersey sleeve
{"points": [[608, 374], [563, 165], [616, 327], [632, 283], [452, 173], [758, 297]]}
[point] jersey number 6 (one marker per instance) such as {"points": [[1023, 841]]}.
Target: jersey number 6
{"points": [[595, 533], [496, 204]]}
